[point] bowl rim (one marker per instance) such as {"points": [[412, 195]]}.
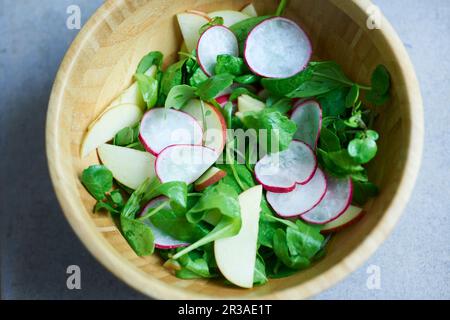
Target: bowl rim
{"points": [[102, 250]]}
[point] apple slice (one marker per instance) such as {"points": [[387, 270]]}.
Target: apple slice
{"points": [[215, 133], [162, 240], [131, 95], [230, 17], [106, 127], [350, 216], [250, 10], [190, 24], [184, 163], [161, 128], [236, 256], [248, 104], [215, 41], [130, 167], [210, 177]]}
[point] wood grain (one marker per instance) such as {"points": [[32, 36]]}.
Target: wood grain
{"points": [[100, 63]]}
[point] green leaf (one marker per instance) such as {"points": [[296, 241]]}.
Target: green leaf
{"points": [[230, 64], [329, 141], [236, 93], [243, 28], [377, 99], [117, 198], [179, 96], [176, 191], [98, 180], [259, 276], [148, 86], [124, 137], [176, 225], [138, 235], [197, 78], [172, 77], [305, 240], [280, 129], [152, 58], [362, 150], [371, 134], [352, 96], [222, 198], [283, 105], [283, 87], [100, 205], [247, 79], [381, 81], [333, 103], [281, 249], [209, 89], [216, 21], [362, 191], [227, 112]]}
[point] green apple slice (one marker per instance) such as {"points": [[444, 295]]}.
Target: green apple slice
{"points": [[230, 17], [236, 256]]}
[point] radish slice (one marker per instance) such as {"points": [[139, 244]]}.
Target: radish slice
{"points": [[277, 48], [215, 41], [223, 100], [161, 128], [184, 163], [302, 199], [337, 199], [162, 240], [280, 172], [350, 216], [308, 117]]}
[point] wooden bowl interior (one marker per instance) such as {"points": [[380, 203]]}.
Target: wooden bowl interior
{"points": [[101, 64]]}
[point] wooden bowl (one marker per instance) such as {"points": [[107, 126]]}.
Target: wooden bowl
{"points": [[100, 63]]}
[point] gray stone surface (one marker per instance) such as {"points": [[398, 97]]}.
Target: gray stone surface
{"points": [[37, 244]]}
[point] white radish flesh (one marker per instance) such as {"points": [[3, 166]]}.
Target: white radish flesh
{"points": [[277, 48], [184, 163], [307, 116], [215, 41], [161, 128], [302, 199], [162, 240], [280, 172], [336, 201]]}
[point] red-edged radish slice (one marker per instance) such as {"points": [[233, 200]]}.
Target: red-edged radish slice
{"points": [[350, 216], [161, 128], [302, 199], [308, 117], [337, 199], [223, 100], [215, 41], [162, 240], [184, 163], [277, 48], [280, 172]]}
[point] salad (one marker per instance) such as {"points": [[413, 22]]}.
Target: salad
{"points": [[240, 160]]}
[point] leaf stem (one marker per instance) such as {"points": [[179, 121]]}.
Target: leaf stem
{"points": [[281, 7], [230, 161], [349, 83]]}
